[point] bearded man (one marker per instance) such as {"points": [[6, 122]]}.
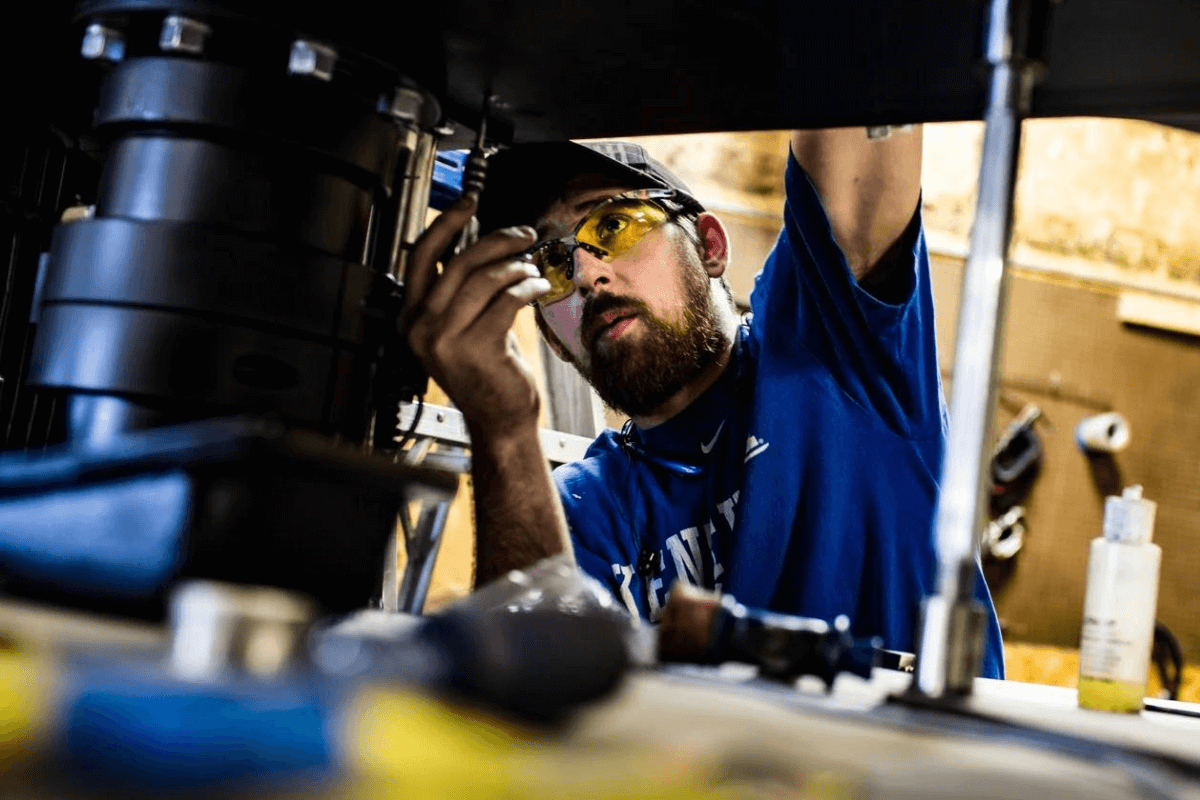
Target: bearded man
{"points": [[789, 458]]}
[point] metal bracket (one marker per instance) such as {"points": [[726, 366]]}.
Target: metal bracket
{"points": [[445, 425]]}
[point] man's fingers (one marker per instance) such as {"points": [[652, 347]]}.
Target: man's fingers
{"points": [[497, 318], [422, 262], [502, 244], [481, 288]]}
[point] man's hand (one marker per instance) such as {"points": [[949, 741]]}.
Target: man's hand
{"points": [[459, 323]]}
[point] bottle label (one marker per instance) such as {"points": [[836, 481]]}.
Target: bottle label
{"points": [[1118, 617]]}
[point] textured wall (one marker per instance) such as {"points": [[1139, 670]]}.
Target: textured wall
{"points": [[1115, 192]]}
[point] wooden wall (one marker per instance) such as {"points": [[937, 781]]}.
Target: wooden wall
{"points": [[1067, 352]]}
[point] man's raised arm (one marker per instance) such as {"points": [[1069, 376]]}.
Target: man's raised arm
{"points": [[459, 326], [870, 187]]}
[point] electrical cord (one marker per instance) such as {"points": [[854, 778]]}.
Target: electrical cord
{"points": [[410, 434], [1167, 655]]}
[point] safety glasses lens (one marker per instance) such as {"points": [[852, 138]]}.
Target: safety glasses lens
{"points": [[617, 226], [608, 232]]}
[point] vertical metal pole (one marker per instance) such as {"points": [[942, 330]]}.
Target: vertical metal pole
{"points": [[418, 181], [423, 545], [412, 205], [951, 637]]}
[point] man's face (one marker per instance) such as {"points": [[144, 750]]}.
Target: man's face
{"points": [[637, 328]]}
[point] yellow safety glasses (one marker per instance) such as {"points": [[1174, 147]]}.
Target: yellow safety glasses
{"points": [[608, 231]]}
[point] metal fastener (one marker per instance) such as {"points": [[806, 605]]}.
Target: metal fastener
{"points": [[101, 43], [404, 104], [74, 213], [183, 35], [312, 59]]}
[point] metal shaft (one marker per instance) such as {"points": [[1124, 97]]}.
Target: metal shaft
{"points": [[945, 663], [415, 188], [423, 544]]}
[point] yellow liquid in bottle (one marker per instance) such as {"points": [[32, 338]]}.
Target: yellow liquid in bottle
{"points": [[1105, 695]]}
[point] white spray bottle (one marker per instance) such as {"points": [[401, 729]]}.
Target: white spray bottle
{"points": [[1118, 609]]}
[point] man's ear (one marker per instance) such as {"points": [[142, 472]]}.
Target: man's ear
{"points": [[556, 346], [714, 244]]}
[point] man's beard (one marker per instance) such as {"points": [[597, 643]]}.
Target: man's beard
{"points": [[635, 378]]}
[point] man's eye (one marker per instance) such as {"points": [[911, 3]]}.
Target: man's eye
{"points": [[611, 225]]}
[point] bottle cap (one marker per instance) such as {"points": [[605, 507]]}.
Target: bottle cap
{"points": [[1130, 517]]}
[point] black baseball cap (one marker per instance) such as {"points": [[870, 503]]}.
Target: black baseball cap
{"points": [[523, 180]]}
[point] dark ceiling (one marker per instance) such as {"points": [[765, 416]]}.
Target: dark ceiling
{"points": [[572, 68]]}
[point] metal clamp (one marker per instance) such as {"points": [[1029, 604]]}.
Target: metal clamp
{"points": [[312, 59], [183, 35], [101, 43], [1005, 535]]}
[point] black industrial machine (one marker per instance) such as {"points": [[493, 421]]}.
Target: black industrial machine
{"points": [[207, 211]]}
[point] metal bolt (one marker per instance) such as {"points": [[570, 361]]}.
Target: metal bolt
{"points": [[405, 104], [102, 43], [74, 213], [312, 59], [183, 35]]}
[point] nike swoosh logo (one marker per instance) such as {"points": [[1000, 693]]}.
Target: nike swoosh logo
{"points": [[707, 448]]}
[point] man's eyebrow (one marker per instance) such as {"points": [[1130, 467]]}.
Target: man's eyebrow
{"points": [[587, 205], [582, 206]]}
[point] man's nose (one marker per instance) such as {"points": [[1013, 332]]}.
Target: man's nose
{"points": [[591, 273]]}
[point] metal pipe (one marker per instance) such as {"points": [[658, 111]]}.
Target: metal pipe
{"points": [[422, 544], [951, 635], [418, 181]]}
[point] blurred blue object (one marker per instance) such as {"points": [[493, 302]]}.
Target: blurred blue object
{"points": [[447, 178], [128, 725], [119, 538]]}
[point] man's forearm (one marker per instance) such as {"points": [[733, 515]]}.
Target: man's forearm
{"points": [[518, 515], [870, 188]]}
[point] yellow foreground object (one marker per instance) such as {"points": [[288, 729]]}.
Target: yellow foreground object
{"points": [[20, 705], [401, 745], [1102, 695]]}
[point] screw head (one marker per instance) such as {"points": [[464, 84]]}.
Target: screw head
{"points": [[313, 59], [405, 104], [183, 35], [102, 44]]}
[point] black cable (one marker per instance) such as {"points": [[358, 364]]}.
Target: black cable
{"points": [[412, 426], [1167, 655]]}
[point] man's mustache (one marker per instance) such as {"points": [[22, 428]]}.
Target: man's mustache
{"points": [[599, 304]]}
